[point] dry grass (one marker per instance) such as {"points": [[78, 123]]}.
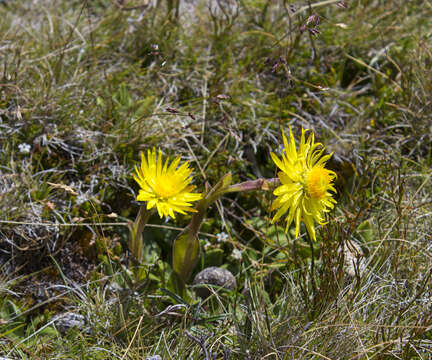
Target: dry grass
{"points": [[87, 85]]}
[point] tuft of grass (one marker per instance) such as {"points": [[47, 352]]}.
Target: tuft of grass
{"points": [[86, 85]]}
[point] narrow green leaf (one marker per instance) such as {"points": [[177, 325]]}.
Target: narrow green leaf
{"points": [[173, 296], [11, 330]]}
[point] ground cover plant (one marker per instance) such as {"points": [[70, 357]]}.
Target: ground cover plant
{"points": [[88, 85]]}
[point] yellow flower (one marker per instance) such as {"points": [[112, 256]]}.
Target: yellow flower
{"points": [[165, 187], [304, 194]]}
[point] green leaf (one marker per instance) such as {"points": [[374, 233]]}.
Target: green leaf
{"points": [[220, 187], [10, 331], [226, 180], [365, 231], [186, 252], [50, 332], [177, 299]]}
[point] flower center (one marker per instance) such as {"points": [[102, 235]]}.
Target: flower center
{"points": [[317, 182], [165, 186]]}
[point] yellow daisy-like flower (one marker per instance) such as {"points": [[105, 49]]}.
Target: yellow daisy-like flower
{"points": [[304, 194], [165, 187]]}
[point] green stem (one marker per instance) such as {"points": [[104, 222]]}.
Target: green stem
{"points": [[312, 272], [259, 184], [142, 219], [136, 229], [189, 247]]}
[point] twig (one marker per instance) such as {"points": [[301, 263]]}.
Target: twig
{"points": [[200, 343]]}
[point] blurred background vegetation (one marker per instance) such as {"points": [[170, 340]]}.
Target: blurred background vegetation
{"points": [[86, 85]]}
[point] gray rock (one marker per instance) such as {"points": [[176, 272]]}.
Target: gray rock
{"points": [[354, 259], [154, 357], [213, 276], [66, 321]]}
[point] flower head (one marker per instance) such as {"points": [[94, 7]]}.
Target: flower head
{"points": [[165, 187], [306, 185]]}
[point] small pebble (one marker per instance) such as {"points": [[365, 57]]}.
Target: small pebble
{"points": [[66, 321], [354, 256], [213, 276]]}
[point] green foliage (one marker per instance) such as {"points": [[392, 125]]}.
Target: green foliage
{"points": [[19, 327], [185, 255], [89, 84]]}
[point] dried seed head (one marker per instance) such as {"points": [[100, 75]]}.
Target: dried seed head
{"points": [[313, 31], [313, 19], [172, 110]]}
